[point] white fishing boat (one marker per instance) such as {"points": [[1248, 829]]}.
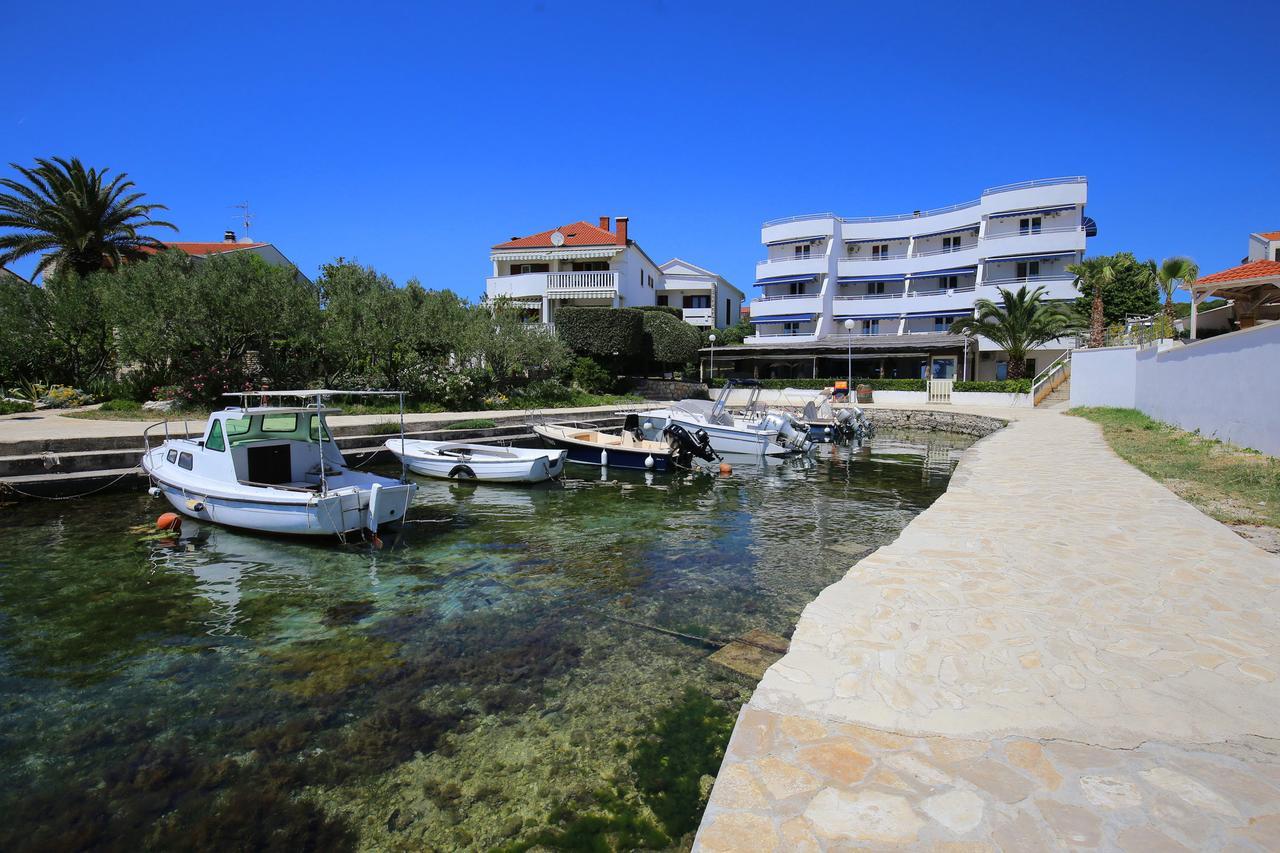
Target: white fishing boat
{"points": [[274, 469], [772, 434], [453, 460]]}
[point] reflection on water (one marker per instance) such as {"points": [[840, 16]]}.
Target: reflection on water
{"points": [[481, 681]]}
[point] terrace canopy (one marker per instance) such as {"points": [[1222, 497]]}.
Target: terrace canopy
{"points": [[1250, 286]]}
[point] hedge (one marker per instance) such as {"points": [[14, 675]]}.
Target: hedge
{"points": [[670, 340], [1008, 386], [664, 309], [604, 332]]}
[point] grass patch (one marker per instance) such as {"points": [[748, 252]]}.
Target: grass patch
{"points": [[385, 428], [193, 415], [474, 423], [1229, 483]]}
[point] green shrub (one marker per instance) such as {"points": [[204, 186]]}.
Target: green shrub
{"points": [[13, 407], [385, 428], [64, 397], [544, 392], [591, 377], [121, 406], [665, 309], [670, 341], [729, 335], [608, 333], [1005, 386]]}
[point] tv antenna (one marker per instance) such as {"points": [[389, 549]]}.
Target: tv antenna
{"points": [[246, 218]]}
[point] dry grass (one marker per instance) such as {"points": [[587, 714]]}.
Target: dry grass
{"points": [[1231, 484]]}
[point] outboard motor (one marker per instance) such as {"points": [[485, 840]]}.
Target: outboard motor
{"points": [[687, 446], [789, 433]]}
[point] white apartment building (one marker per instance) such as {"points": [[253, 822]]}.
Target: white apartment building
{"points": [[901, 280], [1263, 246], [590, 265]]}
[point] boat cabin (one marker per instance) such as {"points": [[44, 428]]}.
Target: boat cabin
{"points": [[266, 446]]}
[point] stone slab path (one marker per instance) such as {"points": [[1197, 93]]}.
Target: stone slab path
{"points": [[1058, 654]]}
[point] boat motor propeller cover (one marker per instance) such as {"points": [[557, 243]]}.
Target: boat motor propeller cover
{"points": [[686, 446]]}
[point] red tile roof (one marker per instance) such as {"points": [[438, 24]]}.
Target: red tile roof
{"points": [[1244, 272], [211, 248], [577, 234], [1270, 235]]}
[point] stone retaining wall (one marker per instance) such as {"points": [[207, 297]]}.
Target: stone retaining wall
{"points": [[934, 419], [669, 389]]}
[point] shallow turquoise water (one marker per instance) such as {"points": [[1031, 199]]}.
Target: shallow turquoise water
{"points": [[480, 681]]}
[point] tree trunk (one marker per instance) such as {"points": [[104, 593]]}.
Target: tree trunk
{"points": [[1095, 317], [1168, 309], [1017, 367]]}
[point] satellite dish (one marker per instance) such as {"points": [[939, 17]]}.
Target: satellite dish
{"points": [[557, 239]]}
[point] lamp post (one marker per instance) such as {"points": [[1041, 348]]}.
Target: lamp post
{"points": [[712, 338], [848, 328]]}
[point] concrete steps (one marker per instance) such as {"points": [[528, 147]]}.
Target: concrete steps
{"points": [[1058, 398]]}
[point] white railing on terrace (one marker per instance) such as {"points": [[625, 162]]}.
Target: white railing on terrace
{"points": [[1023, 185], [937, 291], [894, 257], [1043, 182], [596, 280], [1047, 380], [786, 296], [1030, 279], [1059, 229], [808, 334], [839, 336], [817, 256], [946, 251]]}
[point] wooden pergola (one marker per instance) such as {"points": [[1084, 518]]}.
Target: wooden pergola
{"points": [[1249, 286]]}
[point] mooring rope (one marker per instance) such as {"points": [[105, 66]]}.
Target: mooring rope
{"points": [[10, 487]]}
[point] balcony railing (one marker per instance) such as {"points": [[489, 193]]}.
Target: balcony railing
{"points": [[582, 281], [1031, 279], [1043, 182], [1059, 229], [945, 251], [809, 257], [785, 296], [909, 294], [897, 256]]}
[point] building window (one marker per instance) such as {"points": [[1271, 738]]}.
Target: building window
{"points": [[875, 288], [941, 324], [728, 313], [951, 244], [1029, 225], [797, 288], [948, 282], [697, 302], [521, 269], [790, 328], [650, 281], [1028, 269], [880, 250], [662, 298], [803, 251], [871, 327], [590, 266]]}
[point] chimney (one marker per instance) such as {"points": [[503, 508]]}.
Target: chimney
{"points": [[228, 236], [604, 223], [622, 230]]}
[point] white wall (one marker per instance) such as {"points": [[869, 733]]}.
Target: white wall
{"points": [[777, 397], [1225, 387], [1106, 376]]}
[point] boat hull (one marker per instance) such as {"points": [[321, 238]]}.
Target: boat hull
{"points": [[587, 453], [485, 465], [743, 442]]}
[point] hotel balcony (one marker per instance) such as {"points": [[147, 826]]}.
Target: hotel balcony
{"points": [[787, 267], [913, 302], [1060, 238], [917, 264], [1056, 285], [777, 306]]}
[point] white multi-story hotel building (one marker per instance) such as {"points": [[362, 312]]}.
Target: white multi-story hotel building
{"points": [[900, 281], [591, 265]]}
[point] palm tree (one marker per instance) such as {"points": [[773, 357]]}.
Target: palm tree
{"points": [[1094, 273], [81, 220], [1171, 274], [1024, 322]]}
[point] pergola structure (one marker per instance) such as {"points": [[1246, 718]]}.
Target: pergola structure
{"points": [[1250, 286]]}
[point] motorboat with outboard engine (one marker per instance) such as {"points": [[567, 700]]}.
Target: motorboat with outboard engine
{"points": [[629, 448], [812, 411], [274, 469], [453, 460], [769, 434]]}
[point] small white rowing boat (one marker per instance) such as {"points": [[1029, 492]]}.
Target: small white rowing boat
{"points": [[452, 460]]}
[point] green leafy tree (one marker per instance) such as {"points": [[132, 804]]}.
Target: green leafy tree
{"points": [[24, 342], [1023, 321], [670, 341], [58, 333], [80, 220], [729, 335]]}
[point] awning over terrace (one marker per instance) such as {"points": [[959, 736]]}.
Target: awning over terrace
{"points": [[796, 240], [1030, 211], [783, 318], [785, 279], [1041, 257], [953, 271], [964, 230]]}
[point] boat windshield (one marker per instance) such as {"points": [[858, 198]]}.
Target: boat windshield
{"points": [[288, 426]]}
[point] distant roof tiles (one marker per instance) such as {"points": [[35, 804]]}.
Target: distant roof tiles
{"points": [[576, 234]]}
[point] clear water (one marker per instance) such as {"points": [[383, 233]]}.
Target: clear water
{"points": [[482, 681]]}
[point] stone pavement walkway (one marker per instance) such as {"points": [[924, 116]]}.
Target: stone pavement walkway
{"points": [[1058, 654]]}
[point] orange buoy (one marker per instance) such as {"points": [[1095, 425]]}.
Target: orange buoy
{"points": [[725, 469], [169, 521]]}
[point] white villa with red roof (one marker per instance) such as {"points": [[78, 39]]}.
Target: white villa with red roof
{"points": [[582, 264]]}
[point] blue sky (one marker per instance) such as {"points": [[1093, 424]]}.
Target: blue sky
{"points": [[412, 136]]}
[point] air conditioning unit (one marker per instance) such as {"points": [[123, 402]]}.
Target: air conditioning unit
{"points": [[986, 356]]}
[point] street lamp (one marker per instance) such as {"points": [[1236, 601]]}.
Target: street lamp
{"points": [[712, 338], [848, 328]]}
